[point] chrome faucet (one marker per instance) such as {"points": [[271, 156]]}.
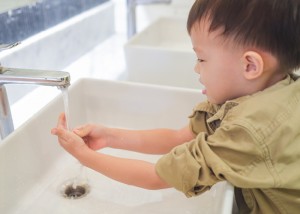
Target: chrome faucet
{"points": [[131, 13], [24, 76]]}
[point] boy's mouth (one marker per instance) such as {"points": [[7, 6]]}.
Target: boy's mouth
{"points": [[203, 91]]}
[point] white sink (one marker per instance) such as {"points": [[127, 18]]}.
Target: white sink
{"points": [[33, 166], [162, 54]]}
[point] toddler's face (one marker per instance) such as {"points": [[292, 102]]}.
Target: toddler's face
{"points": [[219, 64]]}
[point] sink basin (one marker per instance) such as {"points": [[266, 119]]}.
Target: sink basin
{"points": [[33, 166], [162, 54]]}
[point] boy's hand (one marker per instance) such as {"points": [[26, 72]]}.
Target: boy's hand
{"points": [[71, 142], [95, 136]]}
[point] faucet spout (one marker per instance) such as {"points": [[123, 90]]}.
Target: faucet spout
{"points": [[30, 76], [59, 79]]}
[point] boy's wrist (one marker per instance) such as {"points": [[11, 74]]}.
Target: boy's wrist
{"points": [[84, 155], [111, 137]]}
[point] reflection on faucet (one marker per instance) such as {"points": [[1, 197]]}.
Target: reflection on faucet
{"points": [[25, 76], [131, 14], [30, 76]]}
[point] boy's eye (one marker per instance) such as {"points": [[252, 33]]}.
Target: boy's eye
{"points": [[200, 60]]}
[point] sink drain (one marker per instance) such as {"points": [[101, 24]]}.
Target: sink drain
{"points": [[71, 190]]}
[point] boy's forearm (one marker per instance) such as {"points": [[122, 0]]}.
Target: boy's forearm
{"points": [[156, 141], [132, 172]]}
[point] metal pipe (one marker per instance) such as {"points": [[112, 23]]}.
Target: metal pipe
{"points": [[131, 13], [6, 123]]}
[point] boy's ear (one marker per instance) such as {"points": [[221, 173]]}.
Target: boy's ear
{"points": [[253, 65]]}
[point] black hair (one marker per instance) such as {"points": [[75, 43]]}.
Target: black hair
{"points": [[271, 25]]}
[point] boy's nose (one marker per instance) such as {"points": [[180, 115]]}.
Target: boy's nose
{"points": [[196, 68]]}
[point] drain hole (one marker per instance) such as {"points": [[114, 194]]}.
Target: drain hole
{"points": [[75, 192]]}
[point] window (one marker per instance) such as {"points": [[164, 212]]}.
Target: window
{"points": [[17, 25]]}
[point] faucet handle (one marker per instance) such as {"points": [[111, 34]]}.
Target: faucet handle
{"points": [[8, 46]]}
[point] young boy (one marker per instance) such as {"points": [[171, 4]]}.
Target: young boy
{"points": [[248, 131]]}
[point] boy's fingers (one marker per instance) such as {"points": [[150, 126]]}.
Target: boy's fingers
{"points": [[54, 131], [82, 131], [61, 121], [59, 132], [63, 134], [64, 137]]}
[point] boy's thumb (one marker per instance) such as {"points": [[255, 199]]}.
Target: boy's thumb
{"points": [[54, 131], [81, 131]]}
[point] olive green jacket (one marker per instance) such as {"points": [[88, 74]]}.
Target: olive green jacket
{"points": [[253, 142]]}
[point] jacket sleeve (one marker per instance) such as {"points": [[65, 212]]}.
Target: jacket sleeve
{"points": [[232, 153]]}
